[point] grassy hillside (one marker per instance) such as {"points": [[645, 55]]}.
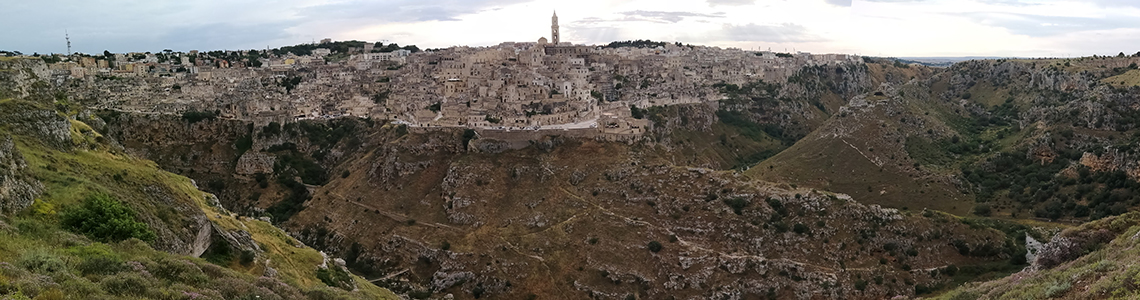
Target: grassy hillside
{"points": [[1042, 139], [44, 255], [879, 149], [1097, 260]]}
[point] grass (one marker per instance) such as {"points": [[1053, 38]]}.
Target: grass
{"points": [[42, 259], [1106, 273], [1130, 78], [734, 143]]}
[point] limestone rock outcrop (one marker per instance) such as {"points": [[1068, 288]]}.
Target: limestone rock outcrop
{"points": [[18, 189]]}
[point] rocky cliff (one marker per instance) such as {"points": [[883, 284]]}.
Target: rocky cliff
{"points": [[17, 187]]}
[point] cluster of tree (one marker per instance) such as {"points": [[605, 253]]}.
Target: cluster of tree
{"points": [[198, 116], [381, 48], [51, 59], [290, 83], [758, 92], [340, 47], [640, 44], [251, 57], [637, 113], [1038, 187], [307, 49]]}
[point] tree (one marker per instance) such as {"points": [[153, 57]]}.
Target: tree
{"points": [[637, 113]]}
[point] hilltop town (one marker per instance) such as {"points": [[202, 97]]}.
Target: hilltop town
{"points": [[511, 86]]}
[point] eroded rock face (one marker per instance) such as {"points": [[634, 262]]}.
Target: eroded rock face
{"points": [[18, 189], [49, 127], [24, 73]]}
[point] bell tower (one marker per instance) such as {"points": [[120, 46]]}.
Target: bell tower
{"points": [[554, 28]]}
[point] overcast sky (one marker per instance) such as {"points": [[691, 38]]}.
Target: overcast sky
{"points": [[1026, 28]]}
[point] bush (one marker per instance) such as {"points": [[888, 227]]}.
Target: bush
{"points": [[801, 229], [1057, 289], [125, 284], [197, 116], [860, 285], [247, 257], [243, 144], [637, 113], [100, 265], [177, 270], [655, 246], [41, 262], [335, 277], [737, 204], [982, 210], [105, 219]]}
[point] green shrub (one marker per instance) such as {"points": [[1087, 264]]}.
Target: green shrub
{"points": [[860, 285], [800, 228], [964, 295], [105, 219], [41, 262], [197, 116], [177, 270], [335, 277], [247, 257], [100, 265], [737, 204], [654, 246], [125, 284], [243, 144], [982, 210], [1057, 289]]}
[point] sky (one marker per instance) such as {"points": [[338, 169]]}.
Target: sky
{"points": [[899, 28]]}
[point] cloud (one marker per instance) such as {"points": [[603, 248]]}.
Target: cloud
{"points": [[665, 16], [601, 34], [838, 2], [1044, 26], [1101, 3], [782, 33], [398, 11], [661, 17], [224, 36], [731, 2], [1117, 3]]}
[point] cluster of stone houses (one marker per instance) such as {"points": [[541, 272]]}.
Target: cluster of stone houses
{"points": [[510, 86]]}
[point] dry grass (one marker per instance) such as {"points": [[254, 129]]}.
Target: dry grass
{"points": [[1130, 78]]}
